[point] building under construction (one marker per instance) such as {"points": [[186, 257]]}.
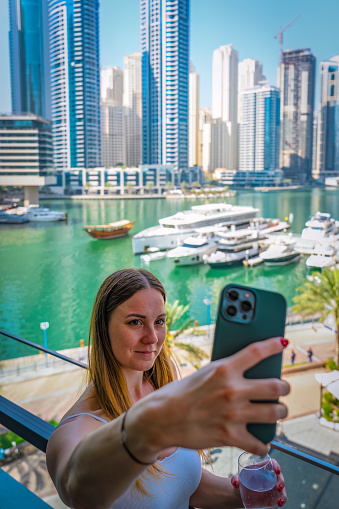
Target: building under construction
{"points": [[297, 84]]}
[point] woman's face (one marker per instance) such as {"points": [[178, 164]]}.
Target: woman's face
{"points": [[137, 330]]}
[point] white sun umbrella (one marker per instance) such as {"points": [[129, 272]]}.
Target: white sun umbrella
{"points": [[333, 388], [327, 378]]}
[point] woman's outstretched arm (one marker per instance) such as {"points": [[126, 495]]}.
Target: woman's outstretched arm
{"points": [[211, 408]]}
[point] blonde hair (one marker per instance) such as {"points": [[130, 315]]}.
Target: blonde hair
{"points": [[105, 371]]}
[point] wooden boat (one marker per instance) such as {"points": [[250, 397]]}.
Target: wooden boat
{"points": [[110, 230]]}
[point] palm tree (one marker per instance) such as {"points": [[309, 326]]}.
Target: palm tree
{"points": [[150, 186], [174, 313], [321, 295], [129, 186]]}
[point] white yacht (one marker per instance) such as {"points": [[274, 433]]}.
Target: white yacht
{"points": [[235, 246], [35, 213], [322, 256], [321, 227], [192, 250], [173, 230], [280, 252]]}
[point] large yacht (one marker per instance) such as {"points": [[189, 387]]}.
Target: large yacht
{"points": [[321, 227], [281, 252], [173, 230]]}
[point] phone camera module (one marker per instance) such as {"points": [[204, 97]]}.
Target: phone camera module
{"points": [[231, 310], [232, 295], [245, 306]]}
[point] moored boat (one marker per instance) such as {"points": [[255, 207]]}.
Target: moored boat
{"points": [[323, 256], [193, 250], [6, 218], [281, 252], [110, 230]]}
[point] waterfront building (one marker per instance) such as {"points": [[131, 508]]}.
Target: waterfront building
{"points": [[29, 57], [146, 179], [75, 82], [132, 110], [259, 130], [327, 163], [315, 143], [204, 138], [253, 179], [193, 127], [297, 84], [26, 154], [165, 81], [111, 90], [249, 75]]}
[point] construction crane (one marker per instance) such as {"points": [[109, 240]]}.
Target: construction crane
{"points": [[280, 35]]}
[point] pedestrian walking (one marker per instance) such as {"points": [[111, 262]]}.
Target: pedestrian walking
{"points": [[292, 357], [309, 354]]}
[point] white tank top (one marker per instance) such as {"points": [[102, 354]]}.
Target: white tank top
{"points": [[173, 491]]}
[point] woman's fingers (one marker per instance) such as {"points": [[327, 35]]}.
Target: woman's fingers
{"points": [[259, 412], [266, 389], [256, 352]]}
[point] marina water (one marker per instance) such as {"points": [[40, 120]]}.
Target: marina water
{"points": [[52, 272]]}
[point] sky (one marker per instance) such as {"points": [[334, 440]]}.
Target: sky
{"points": [[249, 25]]}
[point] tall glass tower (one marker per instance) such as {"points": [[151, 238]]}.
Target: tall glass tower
{"points": [[165, 81], [297, 85], [75, 82], [29, 57]]}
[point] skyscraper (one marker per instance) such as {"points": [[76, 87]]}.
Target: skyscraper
{"points": [[249, 75], [165, 69], [75, 82], [132, 110], [224, 108], [205, 121], [193, 124], [111, 86], [327, 164], [259, 130], [29, 57], [297, 83]]}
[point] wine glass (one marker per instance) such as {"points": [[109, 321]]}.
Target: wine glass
{"points": [[257, 481]]}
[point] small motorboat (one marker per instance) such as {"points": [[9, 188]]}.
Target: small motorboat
{"points": [[110, 230], [281, 252], [6, 218], [193, 250], [44, 214]]}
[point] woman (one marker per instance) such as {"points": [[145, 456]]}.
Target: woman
{"points": [[131, 439]]}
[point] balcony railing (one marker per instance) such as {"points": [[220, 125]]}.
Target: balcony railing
{"points": [[312, 481]]}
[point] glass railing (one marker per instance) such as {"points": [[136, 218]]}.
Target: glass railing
{"points": [[47, 383]]}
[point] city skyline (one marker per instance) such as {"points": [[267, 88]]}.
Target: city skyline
{"points": [[224, 23]]}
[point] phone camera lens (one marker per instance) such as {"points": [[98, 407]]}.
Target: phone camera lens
{"points": [[231, 310], [245, 306], [233, 295]]}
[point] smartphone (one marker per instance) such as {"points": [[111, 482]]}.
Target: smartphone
{"points": [[246, 315]]}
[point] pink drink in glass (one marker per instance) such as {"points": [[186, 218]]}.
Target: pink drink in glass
{"points": [[257, 482]]}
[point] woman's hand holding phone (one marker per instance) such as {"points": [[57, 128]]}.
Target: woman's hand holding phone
{"points": [[213, 406]]}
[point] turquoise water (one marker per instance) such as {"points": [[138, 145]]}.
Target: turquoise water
{"points": [[51, 272]]}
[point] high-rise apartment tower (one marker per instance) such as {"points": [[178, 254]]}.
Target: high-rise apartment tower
{"points": [[132, 110], [224, 108], [29, 57], [259, 130], [328, 121], [193, 125], [111, 85], [75, 82], [297, 83], [165, 70]]}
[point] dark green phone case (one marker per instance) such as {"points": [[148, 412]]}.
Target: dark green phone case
{"points": [[230, 337]]}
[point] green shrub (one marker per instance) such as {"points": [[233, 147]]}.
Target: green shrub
{"points": [[328, 397], [328, 417], [327, 407], [6, 439], [330, 364]]}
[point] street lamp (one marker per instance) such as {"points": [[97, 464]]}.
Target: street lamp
{"points": [[207, 302], [44, 326]]}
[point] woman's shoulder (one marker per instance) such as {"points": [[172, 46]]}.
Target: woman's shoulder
{"points": [[86, 405]]}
